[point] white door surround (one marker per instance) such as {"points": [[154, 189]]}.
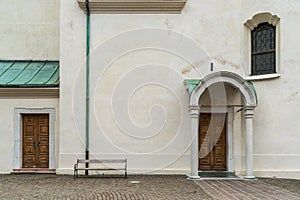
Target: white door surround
{"points": [[250, 102], [18, 134]]}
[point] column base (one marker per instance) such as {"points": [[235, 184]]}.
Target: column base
{"points": [[192, 178], [249, 177]]}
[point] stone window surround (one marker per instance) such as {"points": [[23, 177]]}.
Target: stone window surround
{"points": [[17, 162], [250, 25], [134, 6]]}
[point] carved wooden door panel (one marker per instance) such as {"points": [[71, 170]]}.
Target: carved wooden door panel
{"points": [[35, 141], [204, 143], [212, 142]]}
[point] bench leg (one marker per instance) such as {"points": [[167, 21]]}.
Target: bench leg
{"points": [[125, 174], [75, 174]]}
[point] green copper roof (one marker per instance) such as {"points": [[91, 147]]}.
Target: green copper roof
{"points": [[29, 73], [192, 83]]}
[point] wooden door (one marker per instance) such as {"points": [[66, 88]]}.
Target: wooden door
{"points": [[212, 142], [35, 141]]}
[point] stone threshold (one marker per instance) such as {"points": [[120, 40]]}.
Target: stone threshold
{"points": [[33, 171], [218, 178], [216, 174]]}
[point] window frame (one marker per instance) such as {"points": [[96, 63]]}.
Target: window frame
{"points": [[256, 53], [250, 25]]}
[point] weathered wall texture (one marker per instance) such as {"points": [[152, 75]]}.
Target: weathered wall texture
{"points": [[29, 30]]}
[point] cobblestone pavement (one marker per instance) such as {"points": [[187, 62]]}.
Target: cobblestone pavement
{"points": [[249, 189], [38, 186], [25, 186], [288, 184]]}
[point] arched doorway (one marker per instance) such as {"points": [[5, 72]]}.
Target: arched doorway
{"points": [[249, 97]]}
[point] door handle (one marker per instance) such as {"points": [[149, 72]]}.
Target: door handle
{"points": [[39, 147], [212, 146]]}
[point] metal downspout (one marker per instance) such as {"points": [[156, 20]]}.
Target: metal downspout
{"points": [[87, 103]]}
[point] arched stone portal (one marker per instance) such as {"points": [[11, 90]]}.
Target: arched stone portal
{"points": [[247, 90]]}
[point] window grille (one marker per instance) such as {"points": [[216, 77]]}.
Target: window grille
{"points": [[263, 58]]}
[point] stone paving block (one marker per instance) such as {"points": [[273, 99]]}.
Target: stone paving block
{"points": [[52, 187], [246, 190], [38, 186]]}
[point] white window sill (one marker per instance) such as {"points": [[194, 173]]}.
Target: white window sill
{"points": [[262, 77]]}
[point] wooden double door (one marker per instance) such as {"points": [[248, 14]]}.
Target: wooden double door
{"points": [[212, 142], [35, 141]]}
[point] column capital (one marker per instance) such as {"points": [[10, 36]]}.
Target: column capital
{"points": [[249, 111], [194, 111]]}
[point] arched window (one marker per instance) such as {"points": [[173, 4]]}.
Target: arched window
{"points": [[263, 49]]}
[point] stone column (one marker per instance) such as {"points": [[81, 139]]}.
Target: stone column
{"points": [[249, 112], [194, 113]]}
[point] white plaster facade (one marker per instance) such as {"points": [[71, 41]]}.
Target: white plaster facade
{"points": [[139, 103], [29, 30]]}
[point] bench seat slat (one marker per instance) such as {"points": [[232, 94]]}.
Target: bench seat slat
{"points": [[102, 161], [101, 169]]}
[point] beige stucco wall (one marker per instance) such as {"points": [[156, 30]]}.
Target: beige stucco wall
{"points": [[7, 128], [126, 56], [29, 30]]}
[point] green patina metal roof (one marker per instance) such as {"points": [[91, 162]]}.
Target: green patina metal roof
{"points": [[29, 73], [192, 84]]}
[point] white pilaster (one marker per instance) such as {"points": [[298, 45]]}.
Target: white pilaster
{"points": [[194, 113], [249, 113]]}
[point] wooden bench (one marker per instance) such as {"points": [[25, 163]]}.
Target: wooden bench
{"points": [[100, 165]]}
